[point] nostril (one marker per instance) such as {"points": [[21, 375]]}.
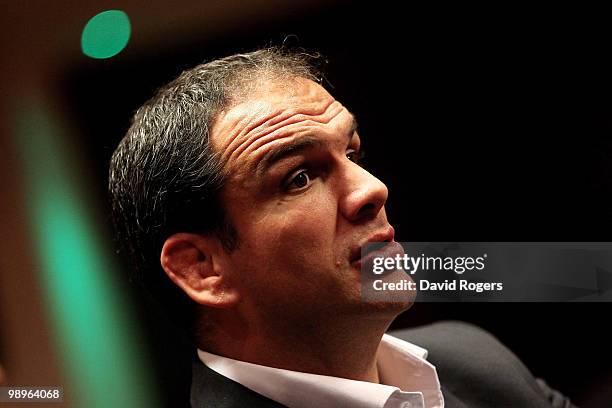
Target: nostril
{"points": [[368, 208]]}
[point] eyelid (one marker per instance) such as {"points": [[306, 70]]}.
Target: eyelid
{"points": [[292, 175], [305, 167], [360, 154]]}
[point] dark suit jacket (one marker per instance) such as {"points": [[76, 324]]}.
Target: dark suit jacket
{"points": [[474, 368]]}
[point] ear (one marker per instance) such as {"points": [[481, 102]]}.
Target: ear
{"points": [[190, 262]]}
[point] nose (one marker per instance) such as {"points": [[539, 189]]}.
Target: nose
{"points": [[365, 195]]}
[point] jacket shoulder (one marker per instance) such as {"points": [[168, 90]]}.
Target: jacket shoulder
{"points": [[476, 367]]}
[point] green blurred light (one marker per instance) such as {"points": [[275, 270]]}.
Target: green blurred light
{"points": [[106, 34], [91, 319]]}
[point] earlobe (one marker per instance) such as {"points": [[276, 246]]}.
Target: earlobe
{"points": [[189, 261]]}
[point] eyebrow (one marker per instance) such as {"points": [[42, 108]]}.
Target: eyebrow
{"points": [[306, 142]]}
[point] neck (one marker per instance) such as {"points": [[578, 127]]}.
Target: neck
{"points": [[340, 348]]}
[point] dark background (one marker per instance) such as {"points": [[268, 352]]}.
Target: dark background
{"points": [[486, 125]]}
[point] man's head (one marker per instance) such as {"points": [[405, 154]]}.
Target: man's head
{"points": [[242, 177]]}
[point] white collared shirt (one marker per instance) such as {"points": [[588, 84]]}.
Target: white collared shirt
{"points": [[407, 380]]}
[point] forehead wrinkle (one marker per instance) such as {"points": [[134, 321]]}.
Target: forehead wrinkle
{"points": [[288, 124], [259, 117], [308, 135], [309, 104], [244, 121], [300, 142], [282, 125], [294, 118]]}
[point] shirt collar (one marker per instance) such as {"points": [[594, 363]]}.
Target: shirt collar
{"points": [[406, 377]]}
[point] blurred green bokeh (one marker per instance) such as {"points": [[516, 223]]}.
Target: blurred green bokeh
{"points": [[106, 34], [92, 322]]}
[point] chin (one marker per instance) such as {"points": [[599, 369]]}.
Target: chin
{"points": [[393, 306], [397, 296], [387, 308]]}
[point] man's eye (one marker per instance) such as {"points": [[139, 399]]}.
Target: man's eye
{"points": [[299, 181], [355, 156]]}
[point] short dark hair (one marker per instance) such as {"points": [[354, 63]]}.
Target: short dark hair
{"points": [[165, 177]]}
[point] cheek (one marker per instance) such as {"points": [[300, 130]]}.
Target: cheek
{"points": [[299, 234], [292, 233]]}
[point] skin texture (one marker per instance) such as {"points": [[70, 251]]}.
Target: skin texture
{"points": [[289, 295]]}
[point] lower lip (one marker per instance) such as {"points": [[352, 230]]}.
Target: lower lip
{"points": [[391, 250]]}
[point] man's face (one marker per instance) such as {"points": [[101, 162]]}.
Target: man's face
{"points": [[301, 204]]}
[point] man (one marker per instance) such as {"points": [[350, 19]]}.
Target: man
{"points": [[242, 179]]}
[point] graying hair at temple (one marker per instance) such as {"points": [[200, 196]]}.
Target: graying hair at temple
{"points": [[165, 177]]}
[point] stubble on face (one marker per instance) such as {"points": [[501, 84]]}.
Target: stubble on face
{"points": [[294, 255]]}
